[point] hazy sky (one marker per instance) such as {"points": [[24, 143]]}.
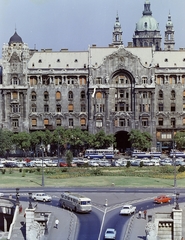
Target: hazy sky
{"points": [[75, 24]]}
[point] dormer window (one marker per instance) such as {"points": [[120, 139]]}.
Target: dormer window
{"points": [[58, 60], [76, 60], [40, 60], [166, 59]]}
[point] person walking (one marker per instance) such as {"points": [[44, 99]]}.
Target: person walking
{"points": [[139, 215], [56, 223], [145, 212]]}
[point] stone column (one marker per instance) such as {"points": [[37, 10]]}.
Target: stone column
{"points": [[177, 224]]}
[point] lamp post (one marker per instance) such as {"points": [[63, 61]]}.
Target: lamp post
{"points": [[42, 167], [174, 163], [17, 196], [46, 225], [177, 201], [30, 200]]}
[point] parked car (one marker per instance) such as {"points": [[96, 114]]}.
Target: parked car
{"points": [[63, 164], [127, 209], [162, 199], [110, 233], [1, 194], [1, 165], [41, 197], [10, 164]]}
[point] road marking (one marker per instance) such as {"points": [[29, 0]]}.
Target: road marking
{"points": [[102, 223]]}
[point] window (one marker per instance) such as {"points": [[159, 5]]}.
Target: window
{"points": [[46, 96], [15, 123], [122, 122], [161, 94], [83, 122], [70, 108], [70, 122], [144, 122], [83, 95], [15, 95], [70, 95], [33, 108], [58, 96], [34, 122], [58, 108], [183, 107], [160, 121], [183, 121], [98, 95], [33, 96], [15, 108], [58, 122], [173, 94], [172, 107], [83, 108], [160, 107], [33, 81], [99, 123], [15, 81], [122, 107], [46, 108], [173, 121], [46, 121]]}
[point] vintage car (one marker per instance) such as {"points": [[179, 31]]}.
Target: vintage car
{"points": [[41, 197], [162, 199], [110, 233], [127, 209]]}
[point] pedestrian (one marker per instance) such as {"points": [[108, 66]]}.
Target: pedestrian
{"points": [[145, 212], [139, 215], [56, 223]]}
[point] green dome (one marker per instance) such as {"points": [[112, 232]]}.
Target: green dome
{"points": [[147, 23]]}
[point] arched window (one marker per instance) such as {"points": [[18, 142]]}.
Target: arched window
{"points": [[98, 95], [46, 121], [33, 96], [46, 96], [58, 108], [70, 108], [70, 95], [83, 122], [34, 122], [82, 94], [160, 94], [58, 122], [58, 95], [173, 94]]}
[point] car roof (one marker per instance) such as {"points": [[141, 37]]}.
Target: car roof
{"points": [[127, 205], [110, 229]]}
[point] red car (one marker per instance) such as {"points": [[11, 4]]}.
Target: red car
{"points": [[63, 164], [162, 199]]}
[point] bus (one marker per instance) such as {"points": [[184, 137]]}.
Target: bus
{"points": [[75, 202], [100, 153]]}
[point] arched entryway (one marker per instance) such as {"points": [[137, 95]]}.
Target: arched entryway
{"points": [[122, 142]]}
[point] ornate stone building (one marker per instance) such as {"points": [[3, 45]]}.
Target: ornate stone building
{"points": [[115, 88]]}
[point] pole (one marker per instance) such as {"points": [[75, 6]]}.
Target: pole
{"points": [[174, 162], [42, 167]]}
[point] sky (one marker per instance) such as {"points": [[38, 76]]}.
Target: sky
{"points": [[76, 24]]}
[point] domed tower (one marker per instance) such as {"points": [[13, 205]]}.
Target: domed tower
{"points": [[117, 33], [147, 30], [169, 41]]}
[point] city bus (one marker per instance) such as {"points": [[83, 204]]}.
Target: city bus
{"points": [[75, 202], [100, 153]]}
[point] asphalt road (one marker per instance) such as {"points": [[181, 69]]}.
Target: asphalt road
{"points": [[92, 226]]}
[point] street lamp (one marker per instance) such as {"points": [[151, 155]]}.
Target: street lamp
{"points": [[177, 201], [30, 200], [17, 196], [174, 163], [42, 167]]}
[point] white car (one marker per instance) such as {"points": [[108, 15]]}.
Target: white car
{"points": [[127, 209], [110, 233], [1, 194], [41, 197]]}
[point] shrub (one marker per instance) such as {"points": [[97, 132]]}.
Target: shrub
{"points": [[97, 172], [128, 164], [20, 169], [141, 164], [181, 169], [3, 171]]}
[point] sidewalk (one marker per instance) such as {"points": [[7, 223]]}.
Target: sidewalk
{"points": [[66, 227], [136, 227]]}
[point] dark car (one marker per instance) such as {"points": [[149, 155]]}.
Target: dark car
{"points": [[10, 164]]}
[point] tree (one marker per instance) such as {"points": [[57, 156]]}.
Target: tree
{"points": [[179, 139], [22, 141], [36, 139], [6, 141], [69, 157], [140, 140]]}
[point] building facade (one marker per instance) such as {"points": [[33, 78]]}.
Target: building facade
{"points": [[114, 88]]}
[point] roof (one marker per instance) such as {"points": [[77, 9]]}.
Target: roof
{"points": [[15, 39]]}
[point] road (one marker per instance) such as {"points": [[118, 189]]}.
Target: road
{"points": [[93, 225]]}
